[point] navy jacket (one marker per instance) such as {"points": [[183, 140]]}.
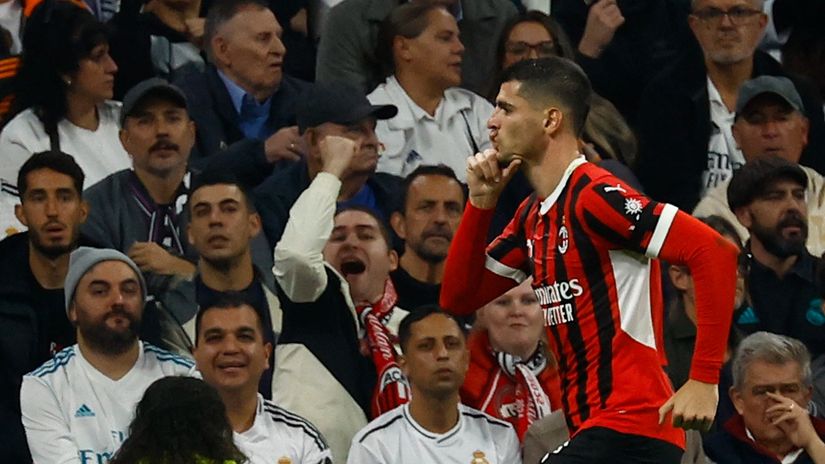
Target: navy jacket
{"points": [[220, 143]]}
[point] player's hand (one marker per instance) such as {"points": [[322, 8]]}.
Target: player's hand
{"points": [[486, 179], [286, 144], [151, 257], [693, 406], [336, 154], [603, 19], [792, 419]]}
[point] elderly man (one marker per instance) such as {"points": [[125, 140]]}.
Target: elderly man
{"points": [[437, 122], [347, 47], [334, 109], [242, 103], [770, 120], [77, 407], [431, 205], [687, 111], [771, 390], [768, 197]]}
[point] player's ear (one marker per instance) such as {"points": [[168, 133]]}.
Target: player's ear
{"points": [[552, 120]]}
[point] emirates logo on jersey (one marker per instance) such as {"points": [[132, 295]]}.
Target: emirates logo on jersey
{"points": [[563, 239]]}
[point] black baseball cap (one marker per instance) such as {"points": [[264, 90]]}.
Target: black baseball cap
{"points": [[155, 87], [776, 85], [749, 181], [339, 103]]}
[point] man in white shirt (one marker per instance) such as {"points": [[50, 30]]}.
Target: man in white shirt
{"points": [[232, 355], [437, 122], [434, 426], [77, 407]]}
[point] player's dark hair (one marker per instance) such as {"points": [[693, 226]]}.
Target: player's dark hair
{"points": [[229, 300], [429, 170], [213, 177], [382, 227], [554, 81], [418, 314], [56, 161], [179, 420]]}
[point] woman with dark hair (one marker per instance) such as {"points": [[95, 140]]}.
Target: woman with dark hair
{"points": [[62, 94], [529, 36], [180, 420]]}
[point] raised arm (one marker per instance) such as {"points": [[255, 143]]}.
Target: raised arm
{"points": [[468, 283], [299, 261]]}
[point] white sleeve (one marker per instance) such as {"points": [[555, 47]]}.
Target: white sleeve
{"points": [[316, 454], [50, 440], [360, 454], [299, 260], [15, 152], [510, 451]]}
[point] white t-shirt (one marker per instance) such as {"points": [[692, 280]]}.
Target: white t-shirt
{"points": [[11, 13], [395, 437], [413, 137], [724, 156], [279, 434], [73, 413]]}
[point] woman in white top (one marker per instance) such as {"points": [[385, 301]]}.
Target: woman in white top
{"points": [[62, 95]]}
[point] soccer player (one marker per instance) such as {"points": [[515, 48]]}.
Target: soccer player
{"points": [[77, 406], [589, 241], [232, 354], [434, 426]]}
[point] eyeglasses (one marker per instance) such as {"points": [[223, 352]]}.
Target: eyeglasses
{"points": [[542, 49], [738, 15]]}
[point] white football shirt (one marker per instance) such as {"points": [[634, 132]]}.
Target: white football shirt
{"points": [[73, 413], [396, 437], [278, 435]]}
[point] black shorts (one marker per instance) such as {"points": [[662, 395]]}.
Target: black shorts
{"points": [[599, 445]]}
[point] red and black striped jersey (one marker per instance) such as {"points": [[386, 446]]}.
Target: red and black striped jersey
{"points": [[591, 247]]}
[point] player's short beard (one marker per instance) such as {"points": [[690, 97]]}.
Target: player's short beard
{"points": [[779, 246], [105, 340]]}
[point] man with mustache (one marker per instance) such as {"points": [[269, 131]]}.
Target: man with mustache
{"points": [[686, 112], [431, 205], [77, 406], [770, 120], [140, 211], [33, 268], [768, 197]]}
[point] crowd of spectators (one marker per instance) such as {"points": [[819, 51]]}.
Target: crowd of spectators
{"points": [[262, 195]]}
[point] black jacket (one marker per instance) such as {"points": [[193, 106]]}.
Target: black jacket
{"points": [[732, 445], [220, 144], [675, 127], [276, 195], [23, 346]]}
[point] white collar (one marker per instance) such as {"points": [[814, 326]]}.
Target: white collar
{"points": [[551, 199]]}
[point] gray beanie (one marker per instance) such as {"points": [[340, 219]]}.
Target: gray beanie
{"points": [[84, 258]]}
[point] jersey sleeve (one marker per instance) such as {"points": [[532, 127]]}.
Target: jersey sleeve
{"points": [[507, 255], [510, 448], [468, 283], [316, 450], [625, 218], [49, 437]]}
